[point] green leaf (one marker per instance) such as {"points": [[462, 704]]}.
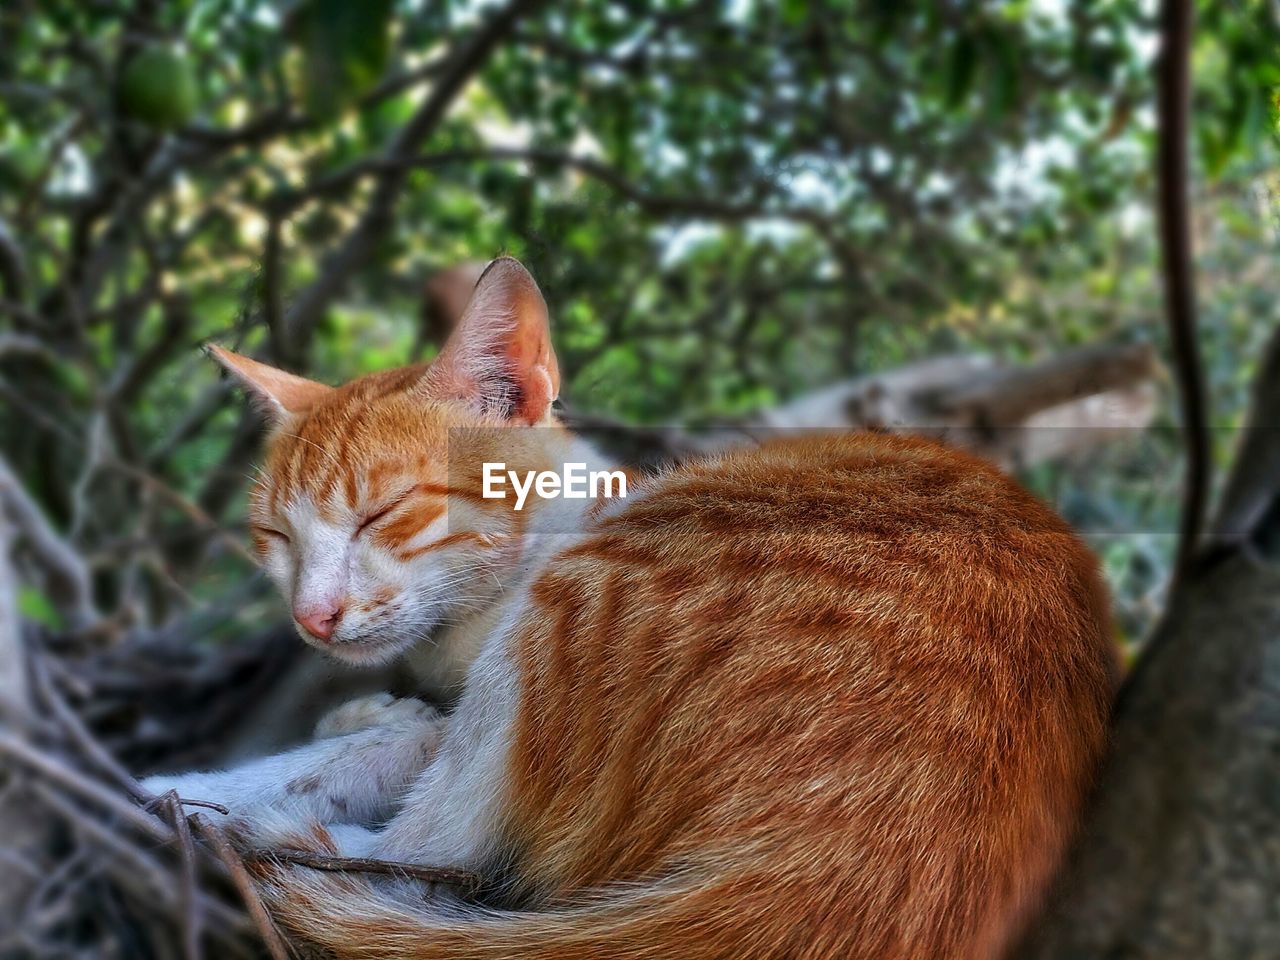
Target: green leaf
{"points": [[962, 65], [1005, 75], [345, 48], [35, 606], [1215, 150], [795, 12]]}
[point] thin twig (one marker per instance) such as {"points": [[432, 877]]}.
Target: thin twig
{"points": [[193, 511], [275, 944], [13, 272], [66, 571], [161, 801], [207, 804], [192, 918], [55, 769], [465, 879], [1174, 105], [139, 863], [15, 697], [79, 734], [24, 344], [62, 882]]}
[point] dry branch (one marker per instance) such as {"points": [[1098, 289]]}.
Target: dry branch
{"points": [[13, 679], [138, 863], [65, 571], [465, 880], [1011, 396], [16, 819], [271, 937], [74, 728], [189, 893], [1015, 416], [58, 771], [55, 761]]}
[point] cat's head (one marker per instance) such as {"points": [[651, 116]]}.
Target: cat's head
{"points": [[368, 512]]}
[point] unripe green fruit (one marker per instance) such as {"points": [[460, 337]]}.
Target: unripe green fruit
{"points": [[159, 88]]}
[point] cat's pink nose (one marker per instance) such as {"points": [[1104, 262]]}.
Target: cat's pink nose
{"points": [[320, 623]]}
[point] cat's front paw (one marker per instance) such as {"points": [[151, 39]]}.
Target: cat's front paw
{"points": [[376, 710]]}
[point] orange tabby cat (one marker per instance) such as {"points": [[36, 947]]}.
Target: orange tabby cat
{"points": [[828, 698]]}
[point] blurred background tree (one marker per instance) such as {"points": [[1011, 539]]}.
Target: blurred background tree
{"points": [[729, 204]]}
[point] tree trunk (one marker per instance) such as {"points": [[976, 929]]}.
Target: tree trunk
{"points": [[1180, 859]]}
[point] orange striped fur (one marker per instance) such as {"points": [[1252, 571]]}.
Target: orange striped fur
{"points": [[828, 698]]}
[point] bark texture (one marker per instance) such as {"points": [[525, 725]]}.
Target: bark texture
{"points": [[1180, 859]]}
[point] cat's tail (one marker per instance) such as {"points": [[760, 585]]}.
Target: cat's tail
{"points": [[355, 919]]}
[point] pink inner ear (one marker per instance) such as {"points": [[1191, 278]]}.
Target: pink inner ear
{"points": [[531, 357], [500, 355]]}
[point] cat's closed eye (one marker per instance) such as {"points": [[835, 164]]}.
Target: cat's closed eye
{"points": [[270, 532], [370, 519], [373, 518]]}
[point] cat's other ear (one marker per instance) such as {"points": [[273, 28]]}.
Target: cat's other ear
{"points": [[278, 393], [499, 357]]}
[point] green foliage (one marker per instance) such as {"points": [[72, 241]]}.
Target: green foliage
{"points": [[1237, 61], [36, 607], [727, 204], [345, 48]]}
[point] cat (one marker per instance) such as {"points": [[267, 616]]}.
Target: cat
{"points": [[832, 697]]}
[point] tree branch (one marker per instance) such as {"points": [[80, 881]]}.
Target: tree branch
{"points": [[13, 273], [25, 344], [1174, 106], [58, 771], [13, 662], [280, 121], [127, 857], [1254, 485], [359, 245], [68, 578], [656, 205], [1010, 396], [232, 860]]}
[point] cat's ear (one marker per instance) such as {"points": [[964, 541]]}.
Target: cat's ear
{"points": [[499, 357], [280, 394]]}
